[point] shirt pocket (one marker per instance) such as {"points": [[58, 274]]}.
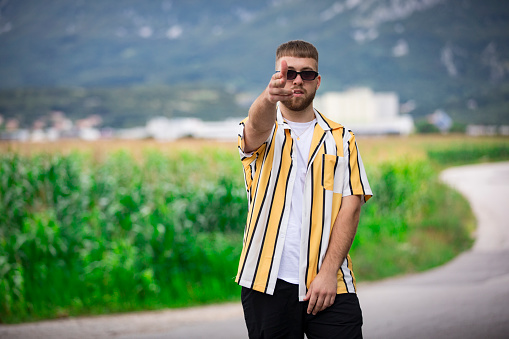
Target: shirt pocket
{"points": [[333, 169]]}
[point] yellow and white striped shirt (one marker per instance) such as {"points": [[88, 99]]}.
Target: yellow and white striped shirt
{"points": [[269, 174]]}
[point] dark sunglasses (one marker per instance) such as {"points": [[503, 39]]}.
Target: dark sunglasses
{"points": [[305, 75]]}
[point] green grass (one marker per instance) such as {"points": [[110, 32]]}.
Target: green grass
{"points": [[80, 236], [466, 153], [413, 223]]}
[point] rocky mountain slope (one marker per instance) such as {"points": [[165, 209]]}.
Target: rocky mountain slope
{"points": [[449, 54]]}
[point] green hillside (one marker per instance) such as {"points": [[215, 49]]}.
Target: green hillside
{"points": [[449, 54]]}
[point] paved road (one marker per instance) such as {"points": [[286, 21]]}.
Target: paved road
{"points": [[466, 298], [469, 296]]}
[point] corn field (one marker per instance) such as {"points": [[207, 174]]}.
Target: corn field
{"points": [[79, 238]]}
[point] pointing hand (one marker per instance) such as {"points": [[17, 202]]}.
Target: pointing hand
{"points": [[276, 90]]}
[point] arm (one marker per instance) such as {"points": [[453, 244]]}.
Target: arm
{"points": [[262, 113], [323, 289]]}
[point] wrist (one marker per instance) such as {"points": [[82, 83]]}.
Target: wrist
{"points": [[329, 271], [330, 267]]}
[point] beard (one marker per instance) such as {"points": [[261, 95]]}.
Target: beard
{"points": [[300, 103]]}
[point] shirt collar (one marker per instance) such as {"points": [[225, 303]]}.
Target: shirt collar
{"points": [[324, 123]]}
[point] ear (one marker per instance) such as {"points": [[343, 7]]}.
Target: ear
{"points": [[318, 81]]}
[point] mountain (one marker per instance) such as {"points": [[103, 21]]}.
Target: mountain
{"points": [[448, 54]]}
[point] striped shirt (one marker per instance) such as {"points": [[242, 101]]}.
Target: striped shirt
{"points": [[269, 174]]}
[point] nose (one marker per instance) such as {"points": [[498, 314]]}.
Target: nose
{"points": [[298, 79]]}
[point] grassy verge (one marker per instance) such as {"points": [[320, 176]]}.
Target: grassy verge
{"points": [[413, 223]]}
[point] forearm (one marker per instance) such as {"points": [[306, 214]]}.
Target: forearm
{"points": [[342, 235], [262, 116]]}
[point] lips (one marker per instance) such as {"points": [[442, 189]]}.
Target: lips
{"points": [[298, 92]]}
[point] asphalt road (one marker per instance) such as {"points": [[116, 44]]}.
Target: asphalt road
{"points": [[466, 298], [469, 296]]}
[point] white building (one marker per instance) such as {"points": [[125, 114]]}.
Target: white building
{"points": [[162, 128], [365, 112], [226, 130]]}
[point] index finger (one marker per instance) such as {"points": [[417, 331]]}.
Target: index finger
{"points": [[311, 305], [284, 69]]}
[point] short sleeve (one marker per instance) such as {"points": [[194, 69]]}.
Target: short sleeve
{"points": [[251, 155], [250, 161], [241, 145], [356, 180]]}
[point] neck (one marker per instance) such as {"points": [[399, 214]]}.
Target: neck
{"points": [[306, 115]]}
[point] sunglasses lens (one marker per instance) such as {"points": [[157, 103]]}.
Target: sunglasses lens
{"points": [[308, 75], [305, 75], [291, 75]]}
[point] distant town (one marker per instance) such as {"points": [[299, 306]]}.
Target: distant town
{"points": [[360, 109]]}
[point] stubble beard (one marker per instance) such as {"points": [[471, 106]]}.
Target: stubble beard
{"points": [[299, 104]]}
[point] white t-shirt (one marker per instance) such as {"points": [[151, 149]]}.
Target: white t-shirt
{"points": [[302, 134]]}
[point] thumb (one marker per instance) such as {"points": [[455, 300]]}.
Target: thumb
{"points": [[308, 295]]}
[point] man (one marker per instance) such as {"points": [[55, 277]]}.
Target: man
{"points": [[305, 184]]}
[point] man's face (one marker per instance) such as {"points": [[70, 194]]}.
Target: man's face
{"points": [[303, 91]]}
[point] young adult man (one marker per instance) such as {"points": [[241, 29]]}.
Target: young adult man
{"points": [[305, 184]]}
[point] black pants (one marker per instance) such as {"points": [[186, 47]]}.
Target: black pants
{"points": [[282, 315]]}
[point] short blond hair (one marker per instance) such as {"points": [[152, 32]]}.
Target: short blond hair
{"points": [[297, 49]]}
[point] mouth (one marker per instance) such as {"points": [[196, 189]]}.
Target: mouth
{"points": [[298, 92]]}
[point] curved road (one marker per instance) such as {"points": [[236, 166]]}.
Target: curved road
{"points": [[469, 296], [466, 298]]}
